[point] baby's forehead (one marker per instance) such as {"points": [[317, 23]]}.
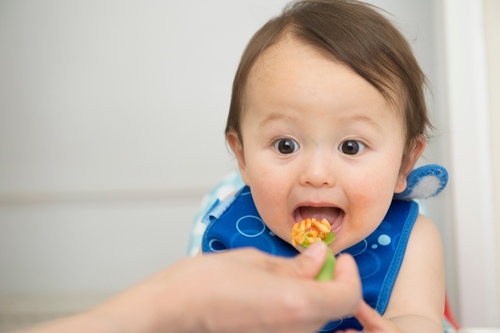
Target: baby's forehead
{"points": [[288, 52]]}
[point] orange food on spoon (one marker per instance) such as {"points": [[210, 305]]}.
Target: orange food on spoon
{"points": [[311, 230]]}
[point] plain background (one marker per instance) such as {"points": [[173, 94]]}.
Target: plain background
{"points": [[111, 130]]}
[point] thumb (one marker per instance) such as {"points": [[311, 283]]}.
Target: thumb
{"points": [[346, 269], [309, 263]]}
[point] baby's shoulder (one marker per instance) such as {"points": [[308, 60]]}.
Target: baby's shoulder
{"points": [[424, 245], [424, 229]]}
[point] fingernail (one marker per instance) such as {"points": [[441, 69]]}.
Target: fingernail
{"points": [[314, 250]]}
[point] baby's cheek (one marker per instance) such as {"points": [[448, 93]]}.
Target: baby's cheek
{"points": [[361, 201], [367, 211], [372, 196]]}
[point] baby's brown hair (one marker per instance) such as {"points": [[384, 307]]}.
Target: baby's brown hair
{"points": [[355, 34]]}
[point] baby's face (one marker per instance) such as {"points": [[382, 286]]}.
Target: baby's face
{"points": [[319, 141]]}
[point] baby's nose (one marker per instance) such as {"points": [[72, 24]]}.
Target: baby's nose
{"points": [[319, 171]]}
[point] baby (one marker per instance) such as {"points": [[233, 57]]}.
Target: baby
{"points": [[327, 119]]}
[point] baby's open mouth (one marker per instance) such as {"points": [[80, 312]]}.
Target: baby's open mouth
{"points": [[333, 215]]}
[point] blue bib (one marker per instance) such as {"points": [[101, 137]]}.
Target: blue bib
{"points": [[235, 223]]}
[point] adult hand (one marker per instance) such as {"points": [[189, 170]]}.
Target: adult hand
{"points": [[236, 291]]}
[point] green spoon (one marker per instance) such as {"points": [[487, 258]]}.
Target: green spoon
{"points": [[326, 272]]}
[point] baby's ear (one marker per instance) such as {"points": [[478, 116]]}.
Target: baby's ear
{"points": [[409, 164], [234, 141]]}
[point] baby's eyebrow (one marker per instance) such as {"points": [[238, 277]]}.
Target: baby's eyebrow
{"points": [[345, 119], [273, 116], [364, 119]]}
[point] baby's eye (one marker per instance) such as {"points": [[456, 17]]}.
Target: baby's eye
{"points": [[352, 147], [286, 146]]}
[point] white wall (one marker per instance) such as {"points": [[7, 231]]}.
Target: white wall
{"points": [[492, 29], [471, 149], [111, 129]]}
